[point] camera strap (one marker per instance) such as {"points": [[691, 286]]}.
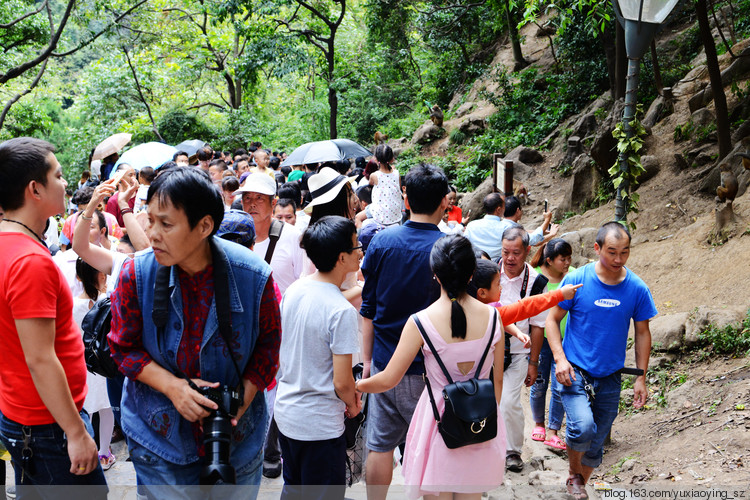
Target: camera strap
{"points": [[160, 311]]}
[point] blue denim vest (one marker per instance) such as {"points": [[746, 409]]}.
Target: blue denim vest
{"points": [[148, 416]]}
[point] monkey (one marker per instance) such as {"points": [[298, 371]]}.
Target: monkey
{"points": [[521, 193], [436, 115], [380, 138], [745, 160], [728, 189]]}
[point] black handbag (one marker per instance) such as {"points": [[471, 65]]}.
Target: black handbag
{"points": [[470, 414]]}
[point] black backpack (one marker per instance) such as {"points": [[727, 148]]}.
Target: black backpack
{"points": [[96, 325]]}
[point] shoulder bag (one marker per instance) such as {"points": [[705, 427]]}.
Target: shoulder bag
{"points": [[470, 414]]}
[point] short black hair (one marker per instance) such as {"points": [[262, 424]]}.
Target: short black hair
{"points": [[364, 193], [22, 160], [512, 204], [287, 202], [179, 153], [291, 190], [230, 183], [191, 190], [148, 174], [426, 187], [615, 228], [492, 202], [326, 239], [286, 170], [82, 196], [484, 273], [205, 153], [101, 222], [274, 163]]}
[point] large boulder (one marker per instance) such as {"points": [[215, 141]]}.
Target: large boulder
{"points": [[525, 155], [471, 203], [659, 109], [473, 125], [604, 147], [703, 117], [583, 184], [427, 133], [582, 244], [712, 180], [698, 320], [668, 332]]}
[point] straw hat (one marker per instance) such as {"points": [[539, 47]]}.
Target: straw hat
{"points": [[324, 187]]}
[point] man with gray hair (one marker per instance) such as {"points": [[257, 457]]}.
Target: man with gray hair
{"points": [[518, 280]]}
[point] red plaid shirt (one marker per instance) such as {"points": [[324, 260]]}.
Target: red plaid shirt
{"points": [[197, 293]]}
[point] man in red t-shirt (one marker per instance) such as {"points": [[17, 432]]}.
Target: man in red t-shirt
{"points": [[43, 374]]}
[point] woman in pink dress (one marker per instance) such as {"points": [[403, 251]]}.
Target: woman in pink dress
{"points": [[459, 327]]}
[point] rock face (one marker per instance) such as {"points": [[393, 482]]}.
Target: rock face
{"points": [[583, 184], [668, 332], [428, 132], [604, 147], [652, 167], [703, 117]]}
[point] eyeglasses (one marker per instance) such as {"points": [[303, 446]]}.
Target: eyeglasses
{"points": [[355, 248]]}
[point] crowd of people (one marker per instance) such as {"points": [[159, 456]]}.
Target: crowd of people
{"points": [[244, 292]]}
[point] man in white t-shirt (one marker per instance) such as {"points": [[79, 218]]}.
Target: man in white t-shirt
{"points": [[316, 388], [287, 258], [514, 274]]}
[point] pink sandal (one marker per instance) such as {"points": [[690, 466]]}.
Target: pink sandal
{"points": [[539, 433], [556, 442]]}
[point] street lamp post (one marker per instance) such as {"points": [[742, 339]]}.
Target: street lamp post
{"points": [[641, 20]]}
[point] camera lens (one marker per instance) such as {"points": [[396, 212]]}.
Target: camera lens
{"points": [[217, 437]]}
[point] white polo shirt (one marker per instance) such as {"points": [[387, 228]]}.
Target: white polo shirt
{"points": [[512, 293]]}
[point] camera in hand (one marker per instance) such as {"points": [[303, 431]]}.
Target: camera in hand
{"points": [[217, 435]]}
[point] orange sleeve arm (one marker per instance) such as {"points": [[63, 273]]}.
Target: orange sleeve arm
{"points": [[529, 306]]}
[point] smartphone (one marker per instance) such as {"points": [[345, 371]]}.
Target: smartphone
{"points": [[118, 177], [545, 204]]}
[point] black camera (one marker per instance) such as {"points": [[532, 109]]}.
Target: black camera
{"points": [[217, 435]]}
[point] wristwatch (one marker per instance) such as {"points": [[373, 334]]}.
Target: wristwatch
{"points": [[532, 363]]}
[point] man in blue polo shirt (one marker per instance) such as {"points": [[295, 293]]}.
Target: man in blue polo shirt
{"points": [[593, 352], [398, 283]]}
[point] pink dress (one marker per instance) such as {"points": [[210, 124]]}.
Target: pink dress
{"points": [[429, 466]]}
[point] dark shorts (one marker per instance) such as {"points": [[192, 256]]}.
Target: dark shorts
{"points": [[389, 413]]}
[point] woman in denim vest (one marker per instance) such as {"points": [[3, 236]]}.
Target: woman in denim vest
{"points": [[168, 366]]}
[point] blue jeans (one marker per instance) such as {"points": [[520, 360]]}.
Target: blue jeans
{"points": [[157, 478], [589, 422], [538, 392], [49, 464]]}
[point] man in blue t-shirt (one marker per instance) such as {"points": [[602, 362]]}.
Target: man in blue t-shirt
{"points": [[398, 283], [590, 358]]}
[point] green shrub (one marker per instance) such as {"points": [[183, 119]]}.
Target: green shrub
{"points": [[457, 136], [730, 339]]}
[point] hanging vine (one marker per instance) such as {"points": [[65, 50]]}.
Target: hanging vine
{"points": [[631, 148]]}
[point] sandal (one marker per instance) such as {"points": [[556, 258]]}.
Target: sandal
{"points": [[539, 433], [556, 443], [107, 461], [577, 487]]}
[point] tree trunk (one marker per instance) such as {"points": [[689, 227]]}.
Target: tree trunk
{"points": [[514, 39], [333, 102], [611, 54], [621, 63], [657, 71], [714, 73]]}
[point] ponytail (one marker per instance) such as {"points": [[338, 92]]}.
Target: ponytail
{"points": [[453, 262]]}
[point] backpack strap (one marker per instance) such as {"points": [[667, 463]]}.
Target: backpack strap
{"points": [[274, 233], [432, 348]]}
